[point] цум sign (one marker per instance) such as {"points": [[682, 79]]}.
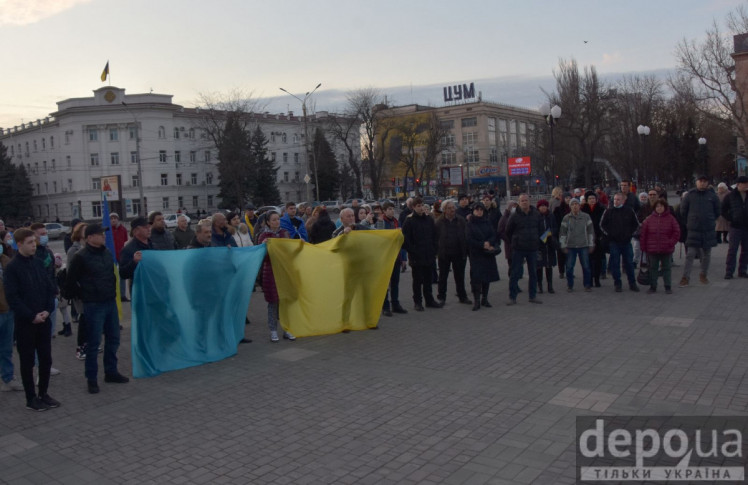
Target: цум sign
{"points": [[459, 92]]}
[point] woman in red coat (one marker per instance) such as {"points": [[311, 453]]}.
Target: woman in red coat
{"points": [[272, 229], [658, 236]]}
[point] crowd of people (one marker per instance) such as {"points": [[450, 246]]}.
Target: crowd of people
{"points": [[605, 234]]}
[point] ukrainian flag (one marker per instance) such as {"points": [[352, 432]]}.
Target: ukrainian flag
{"points": [[105, 72]]}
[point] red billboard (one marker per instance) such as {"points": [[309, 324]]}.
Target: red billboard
{"points": [[519, 166]]}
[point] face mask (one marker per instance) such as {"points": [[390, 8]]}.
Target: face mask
{"points": [[43, 240]]}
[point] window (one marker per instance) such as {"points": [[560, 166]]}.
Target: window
{"points": [[284, 138], [285, 157], [447, 124], [193, 179], [133, 157], [209, 178], [296, 177], [179, 182], [467, 122], [471, 156], [164, 179], [115, 158], [522, 134], [46, 187], [68, 161], [134, 181], [177, 156], [468, 139], [210, 201], [54, 187], [162, 156], [93, 134], [51, 142], [285, 176], [44, 143], [36, 167], [512, 133], [448, 140], [35, 148], [136, 206], [296, 158], [133, 132], [27, 149], [192, 133], [296, 138], [96, 209], [193, 157], [96, 184], [53, 165], [272, 137], [180, 202], [161, 132], [494, 156], [272, 157], [94, 159], [449, 158], [164, 202], [44, 166], [194, 202], [113, 134], [67, 138], [176, 133], [70, 185], [206, 157]]}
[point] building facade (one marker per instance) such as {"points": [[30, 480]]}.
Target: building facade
{"points": [[90, 144], [478, 138]]}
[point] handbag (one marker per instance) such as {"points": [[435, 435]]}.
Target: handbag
{"points": [[643, 277]]}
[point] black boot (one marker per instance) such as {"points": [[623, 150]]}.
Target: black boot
{"points": [[549, 279], [476, 297], [484, 299], [66, 331], [539, 277]]}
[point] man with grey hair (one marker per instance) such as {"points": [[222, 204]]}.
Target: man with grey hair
{"points": [[202, 236], [347, 223], [183, 234], [452, 251]]}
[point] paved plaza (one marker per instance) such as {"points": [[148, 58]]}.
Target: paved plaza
{"points": [[444, 396]]}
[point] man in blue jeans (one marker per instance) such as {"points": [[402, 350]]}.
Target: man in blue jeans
{"points": [[619, 224], [577, 238], [91, 277], [523, 230]]}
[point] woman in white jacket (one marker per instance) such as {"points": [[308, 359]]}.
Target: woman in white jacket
{"points": [[242, 236]]}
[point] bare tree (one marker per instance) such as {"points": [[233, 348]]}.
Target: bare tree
{"points": [[434, 141], [706, 71]]}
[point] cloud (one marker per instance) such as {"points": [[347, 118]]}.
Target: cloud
{"points": [[25, 12], [611, 59]]}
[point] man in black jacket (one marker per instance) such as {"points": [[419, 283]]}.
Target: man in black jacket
{"points": [[523, 230], [700, 210], [91, 277], [618, 224], [421, 242], [452, 251], [31, 296], [735, 210], [132, 253]]}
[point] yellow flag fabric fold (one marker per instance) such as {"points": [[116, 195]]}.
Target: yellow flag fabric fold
{"points": [[334, 286]]}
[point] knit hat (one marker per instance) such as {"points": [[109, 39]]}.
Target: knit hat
{"points": [[542, 202], [574, 201], [588, 193]]}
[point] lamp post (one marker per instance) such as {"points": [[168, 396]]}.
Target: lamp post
{"points": [[703, 156], [643, 132], [142, 209], [551, 115], [306, 142]]}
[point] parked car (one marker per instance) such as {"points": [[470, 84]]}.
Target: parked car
{"points": [[332, 205], [171, 220], [267, 208], [55, 230], [349, 203], [429, 199]]}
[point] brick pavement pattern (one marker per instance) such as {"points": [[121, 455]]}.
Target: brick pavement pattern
{"points": [[443, 396]]}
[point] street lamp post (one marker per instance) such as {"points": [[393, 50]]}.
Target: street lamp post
{"points": [[643, 132], [306, 142], [703, 156], [142, 208], [551, 116]]}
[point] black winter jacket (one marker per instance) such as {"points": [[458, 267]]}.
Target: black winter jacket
{"points": [[735, 209], [619, 225], [126, 264], [421, 239], [28, 288], [451, 236], [91, 275], [523, 230], [700, 209]]}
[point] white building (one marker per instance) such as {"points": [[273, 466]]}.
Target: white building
{"points": [[68, 153]]}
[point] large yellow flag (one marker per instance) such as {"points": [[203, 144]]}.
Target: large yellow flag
{"points": [[334, 286]]}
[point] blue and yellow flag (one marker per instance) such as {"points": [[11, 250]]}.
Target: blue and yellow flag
{"points": [[334, 286], [188, 306], [105, 72], [106, 222]]}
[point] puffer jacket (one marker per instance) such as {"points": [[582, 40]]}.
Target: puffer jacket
{"points": [[659, 233], [91, 275], [421, 239], [700, 209], [577, 231], [524, 229]]}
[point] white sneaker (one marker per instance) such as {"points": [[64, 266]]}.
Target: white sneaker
{"points": [[274, 336], [11, 385], [53, 371], [288, 336]]}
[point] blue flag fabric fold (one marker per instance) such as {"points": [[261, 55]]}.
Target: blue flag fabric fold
{"points": [[188, 306]]}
